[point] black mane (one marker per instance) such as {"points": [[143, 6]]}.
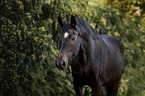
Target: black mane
{"points": [[85, 28]]}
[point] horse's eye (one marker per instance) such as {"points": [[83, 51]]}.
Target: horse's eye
{"points": [[59, 39], [73, 37], [74, 32]]}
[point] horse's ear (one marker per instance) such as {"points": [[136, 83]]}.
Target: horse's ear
{"points": [[60, 21], [73, 21]]}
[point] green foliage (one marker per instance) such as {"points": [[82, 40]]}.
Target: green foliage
{"points": [[28, 53], [28, 36]]}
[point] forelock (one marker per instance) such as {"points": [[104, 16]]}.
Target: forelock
{"points": [[66, 26]]}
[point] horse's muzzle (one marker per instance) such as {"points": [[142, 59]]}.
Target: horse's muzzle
{"points": [[60, 64]]}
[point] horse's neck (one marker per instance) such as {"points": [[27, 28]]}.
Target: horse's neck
{"points": [[81, 57], [91, 49], [87, 56]]}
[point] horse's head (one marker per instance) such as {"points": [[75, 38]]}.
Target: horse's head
{"points": [[69, 42]]}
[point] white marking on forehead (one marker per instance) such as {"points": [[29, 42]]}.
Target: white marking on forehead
{"points": [[65, 34]]}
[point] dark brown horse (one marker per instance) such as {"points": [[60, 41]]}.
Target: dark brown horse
{"points": [[97, 60]]}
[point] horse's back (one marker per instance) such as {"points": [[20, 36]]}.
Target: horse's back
{"points": [[114, 42]]}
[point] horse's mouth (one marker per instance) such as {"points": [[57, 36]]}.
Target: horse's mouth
{"points": [[61, 68]]}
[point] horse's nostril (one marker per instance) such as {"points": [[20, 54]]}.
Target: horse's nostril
{"points": [[63, 63], [60, 64]]}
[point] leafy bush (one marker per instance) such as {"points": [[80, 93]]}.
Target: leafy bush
{"points": [[28, 53]]}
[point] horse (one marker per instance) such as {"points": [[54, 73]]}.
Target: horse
{"points": [[96, 59]]}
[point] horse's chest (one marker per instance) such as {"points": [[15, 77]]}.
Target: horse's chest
{"points": [[82, 74]]}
